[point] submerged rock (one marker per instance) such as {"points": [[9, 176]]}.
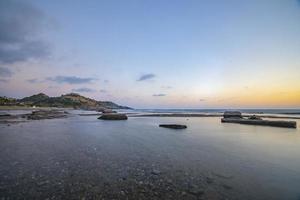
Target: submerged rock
{"points": [[173, 126], [113, 116]]}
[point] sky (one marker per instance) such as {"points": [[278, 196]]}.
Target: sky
{"points": [[154, 53]]}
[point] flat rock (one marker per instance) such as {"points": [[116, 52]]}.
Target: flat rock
{"points": [[113, 116], [173, 126], [4, 114], [277, 123], [232, 114], [46, 114]]}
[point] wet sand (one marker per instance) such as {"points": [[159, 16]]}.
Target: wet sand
{"points": [[84, 158]]}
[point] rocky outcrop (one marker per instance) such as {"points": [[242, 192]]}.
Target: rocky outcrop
{"points": [[236, 117], [283, 124], [46, 114], [173, 126], [113, 116], [232, 114]]}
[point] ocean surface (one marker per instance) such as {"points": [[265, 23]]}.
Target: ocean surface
{"points": [[244, 161]]}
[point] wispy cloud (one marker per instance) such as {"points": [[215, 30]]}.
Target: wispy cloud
{"points": [[159, 95], [146, 77], [202, 100], [166, 87], [70, 79], [34, 80], [83, 90], [19, 27], [103, 91], [3, 80], [5, 72]]}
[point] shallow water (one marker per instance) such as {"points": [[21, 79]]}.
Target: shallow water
{"points": [[250, 162]]}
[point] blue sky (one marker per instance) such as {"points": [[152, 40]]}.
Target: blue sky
{"points": [[154, 54]]}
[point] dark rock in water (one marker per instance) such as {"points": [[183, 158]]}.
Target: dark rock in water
{"points": [[173, 126], [109, 111], [255, 117], [100, 109], [283, 124], [4, 114], [113, 116], [232, 114], [46, 114]]}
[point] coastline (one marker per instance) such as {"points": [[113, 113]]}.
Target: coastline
{"points": [[10, 114]]}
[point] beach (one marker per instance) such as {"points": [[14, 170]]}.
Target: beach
{"points": [[81, 157]]}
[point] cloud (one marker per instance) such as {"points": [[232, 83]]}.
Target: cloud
{"points": [[83, 90], [5, 72], [103, 91], [159, 95], [34, 80], [202, 100], [106, 81], [146, 77], [52, 87], [166, 87], [20, 23], [70, 79], [3, 80]]}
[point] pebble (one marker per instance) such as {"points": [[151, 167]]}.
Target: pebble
{"points": [[155, 172]]}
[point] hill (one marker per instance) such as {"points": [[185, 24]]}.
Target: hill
{"points": [[71, 100]]}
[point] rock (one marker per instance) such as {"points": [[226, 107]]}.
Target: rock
{"points": [[173, 126], [155, 172], [232, 114], [100, 110], [283, 124], [46, 114], [108, 111], [4, 114], [254, 117], [113, 116]]}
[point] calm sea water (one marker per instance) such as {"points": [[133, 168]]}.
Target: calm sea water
{"points": [[257, 162]]}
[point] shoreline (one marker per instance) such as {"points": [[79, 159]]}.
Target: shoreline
{"points": [[6, 117]]}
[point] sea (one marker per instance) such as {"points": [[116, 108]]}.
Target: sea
{"points": [[240, 161]]}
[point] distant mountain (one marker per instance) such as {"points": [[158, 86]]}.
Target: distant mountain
{"points": [[34, 98], [72, 100]]}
